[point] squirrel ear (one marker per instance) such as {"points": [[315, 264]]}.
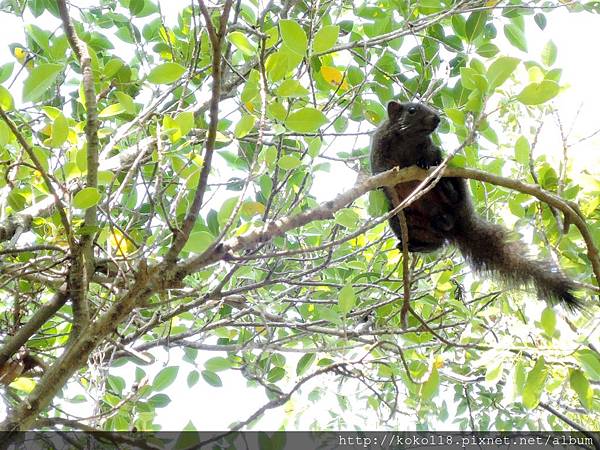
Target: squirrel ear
{"points": [[394, 109]]}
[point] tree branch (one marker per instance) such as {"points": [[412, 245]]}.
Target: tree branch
{"points": [[43, 313], [571, 423], [182, 235], [391, 177], [57, 201], [82, 267], [47, 207]]}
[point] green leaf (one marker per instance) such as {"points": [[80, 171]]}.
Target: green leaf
{"points": [[374, 112], [325, 38], [377, 204], [487, 50], [112, 67], [277, 111], [39, 80], [242, 43], [212, 378], [159, 400], [41, 37], [244, 126], [166, 73], [5, 134], [537, 93], [540, 20], [458, 24], [500, 70], [467, 77], [193, 378], [522, 151], [347, 299], [276, 66], [185, 122], [580, 384], [136, 6], [165, 378], [217, 364], [126, 102], [590, 362], [86, 198], [6, 100], [347, 217], [111, 110], [198, 242], [549, 53], [306, 120], [304, 363], [456, 115], [293, 36], [291, 88], [515, 36], [227, 209], [430, 388], [60, 131], [475, 25], [520, 377], [494, 372], [289, 162], [548, 320], [534, 386], [275, 374], [6, 71]]}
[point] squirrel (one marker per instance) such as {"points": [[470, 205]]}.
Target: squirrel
{"points": [[446, 214]]}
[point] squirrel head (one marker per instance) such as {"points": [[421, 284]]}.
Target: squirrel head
{"points": [[413, 118]]}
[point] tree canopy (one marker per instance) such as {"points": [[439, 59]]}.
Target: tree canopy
{"points": [[203, 184]]}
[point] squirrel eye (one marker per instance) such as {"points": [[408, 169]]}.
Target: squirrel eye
{"points": [[412, 110]]}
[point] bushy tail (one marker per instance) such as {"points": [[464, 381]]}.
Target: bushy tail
{"points": [[488, 248]]}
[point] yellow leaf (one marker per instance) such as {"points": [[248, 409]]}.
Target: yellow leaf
{"points": [[249, 106], [24, 384], [20, 54], [47, 130], [334, 77], [120, 244], [439, 362], [252, 208]]}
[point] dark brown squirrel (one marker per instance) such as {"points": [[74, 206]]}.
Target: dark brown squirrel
{"points": [[446, 214]]}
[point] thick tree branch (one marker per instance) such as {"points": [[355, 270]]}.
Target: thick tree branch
{"points": [[76, 355], [391, 177], [82, 266]]}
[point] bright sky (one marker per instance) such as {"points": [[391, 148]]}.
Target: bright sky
{"points": [[575, 35]]}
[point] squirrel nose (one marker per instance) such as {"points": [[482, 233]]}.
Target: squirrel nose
{"points": [[435, 120]]}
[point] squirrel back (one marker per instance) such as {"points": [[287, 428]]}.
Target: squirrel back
{"points": [[446, 213]]}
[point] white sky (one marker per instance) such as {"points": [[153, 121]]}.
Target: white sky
{"points": [[576, 36]]}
